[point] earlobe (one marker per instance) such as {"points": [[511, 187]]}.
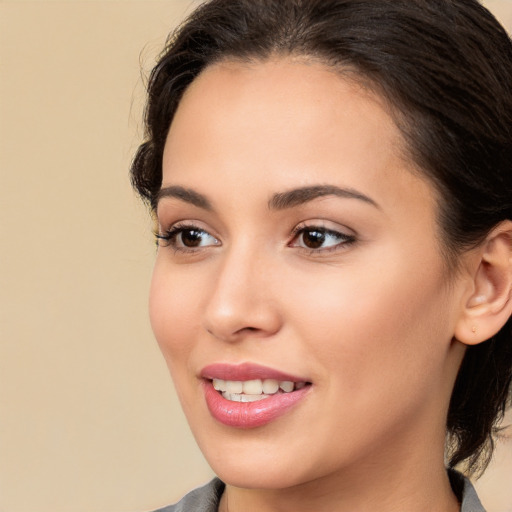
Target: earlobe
{"points": [[490, 304]]}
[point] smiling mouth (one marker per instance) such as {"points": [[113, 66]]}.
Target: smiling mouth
{"points": [[256, 389], [249, 395]]}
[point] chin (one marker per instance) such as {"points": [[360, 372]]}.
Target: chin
{"points": [[258, 461], [249, 476]]}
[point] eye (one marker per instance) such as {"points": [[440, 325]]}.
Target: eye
{"points": [[186, 237], [315, 238]]}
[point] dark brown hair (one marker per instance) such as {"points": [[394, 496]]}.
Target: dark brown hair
{"points": [[446, 68]]}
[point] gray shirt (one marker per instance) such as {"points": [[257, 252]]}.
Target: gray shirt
{"points": [[206, 498]]}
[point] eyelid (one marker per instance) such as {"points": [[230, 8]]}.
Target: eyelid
{"points": [[166, 225], [347, 236], [324, 225], [166, 237]]}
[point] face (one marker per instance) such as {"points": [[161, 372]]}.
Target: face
{"points": [[300, 272]]}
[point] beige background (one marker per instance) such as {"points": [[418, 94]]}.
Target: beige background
{"points": [[88, 418]]}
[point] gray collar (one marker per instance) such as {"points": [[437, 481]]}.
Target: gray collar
{"points": [[207, 498]]}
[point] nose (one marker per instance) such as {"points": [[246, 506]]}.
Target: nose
{"points": [[242, 302]]}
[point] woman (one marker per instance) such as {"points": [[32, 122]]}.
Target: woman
{"points": [[332, 291]]}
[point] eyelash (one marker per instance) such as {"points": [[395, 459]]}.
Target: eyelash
{"points": [[168, 239], [345, 240]]}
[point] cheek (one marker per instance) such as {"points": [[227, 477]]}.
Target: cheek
{"points": [[173, 311], [382, 322]]}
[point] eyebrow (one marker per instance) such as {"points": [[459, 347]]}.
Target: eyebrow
{"points": [[302, 195], [184, 194], [279, 201]]}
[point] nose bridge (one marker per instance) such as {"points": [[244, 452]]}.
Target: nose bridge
{"points": [[241, 299]]}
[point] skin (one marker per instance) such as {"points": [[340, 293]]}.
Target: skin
{"points": [[369, 323]]}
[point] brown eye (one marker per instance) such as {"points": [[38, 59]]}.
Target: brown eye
{"points": [[313, 239], [186, 237], [319, 239], [191, 237]]}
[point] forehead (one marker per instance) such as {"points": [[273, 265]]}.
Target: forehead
{"points": [[283, 90], [281, 99], [285, 118]]}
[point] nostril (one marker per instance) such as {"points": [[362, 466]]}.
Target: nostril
{"points": [[233, 321], [247, 330]]}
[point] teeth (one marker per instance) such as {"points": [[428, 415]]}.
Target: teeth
{"points": [[234, 386], [239, 397], [270, 386], [286, 386], [253, 387], [219, 384], [252, 390]]}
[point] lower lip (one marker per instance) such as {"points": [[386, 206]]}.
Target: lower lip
{"points": [[250, 414]]}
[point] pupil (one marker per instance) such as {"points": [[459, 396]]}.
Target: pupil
{"points": [[191, 238], [313, 239]]}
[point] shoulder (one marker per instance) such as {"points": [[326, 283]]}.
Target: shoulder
{"points": [[466, 492], [470, 501], [206, 498], [202, 499]]}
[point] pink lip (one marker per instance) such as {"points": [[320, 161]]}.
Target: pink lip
{"points": [[248, 414], [245, 371]]}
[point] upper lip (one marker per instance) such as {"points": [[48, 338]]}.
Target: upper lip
{"points": [[246, 371]]}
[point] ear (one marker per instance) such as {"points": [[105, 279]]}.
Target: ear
{"points": [[489, 304]]}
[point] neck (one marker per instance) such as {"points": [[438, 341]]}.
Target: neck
{"points": [[389, 481], [384, 494]]}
